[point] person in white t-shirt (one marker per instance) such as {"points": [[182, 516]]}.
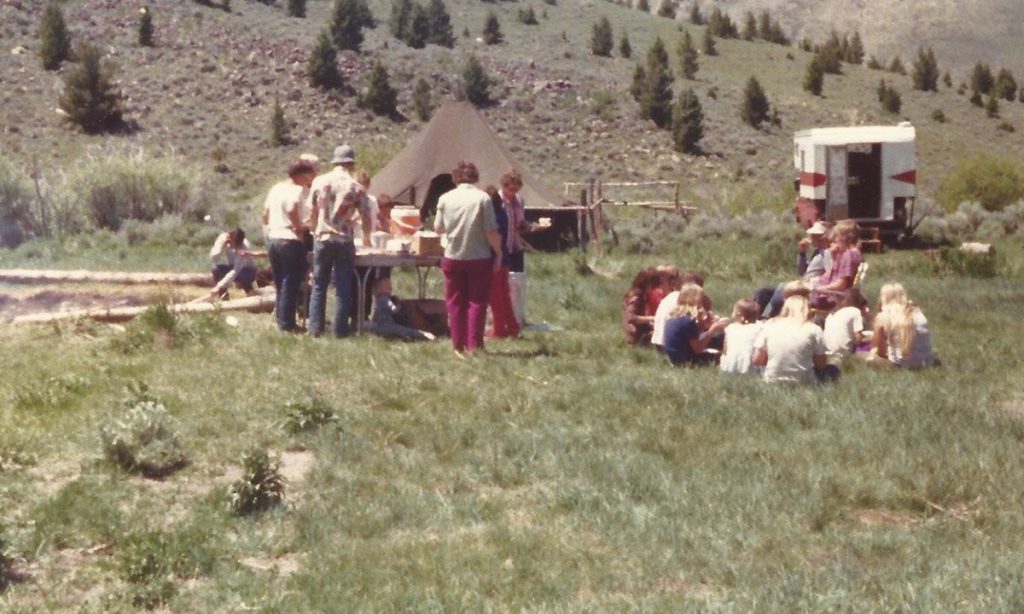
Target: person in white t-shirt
{"points": [[791, 348], [844, 327], [740, 335]]}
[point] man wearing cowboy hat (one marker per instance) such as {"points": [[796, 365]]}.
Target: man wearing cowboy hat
{"points": [[334, 198]]}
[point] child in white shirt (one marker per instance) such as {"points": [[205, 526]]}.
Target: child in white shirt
{"points": [[844, 327], [738, 351]]}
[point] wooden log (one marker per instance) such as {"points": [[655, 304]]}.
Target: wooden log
{"points": [[254, 304], [27, 276]]}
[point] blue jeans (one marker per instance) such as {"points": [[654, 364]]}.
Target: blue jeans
{"points": [[288, 262], [332, 262]]}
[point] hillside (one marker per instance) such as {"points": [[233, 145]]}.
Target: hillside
{"points": [[961, 33], [207, 89]]}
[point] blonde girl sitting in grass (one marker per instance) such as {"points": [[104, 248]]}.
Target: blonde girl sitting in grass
{"points": [[901, 337], [691, 328], [738, 350]]}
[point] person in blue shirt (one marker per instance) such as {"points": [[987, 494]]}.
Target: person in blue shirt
{"points": [[691, 328]]}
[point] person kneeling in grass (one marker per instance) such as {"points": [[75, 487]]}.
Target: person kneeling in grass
{"points": [[791, 348], [689, 331]]}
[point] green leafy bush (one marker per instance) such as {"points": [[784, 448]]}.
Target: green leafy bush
{"points": [[142, 436], [307, 415], [151, 561], [261, 486], [958, 262], [992, 181]]}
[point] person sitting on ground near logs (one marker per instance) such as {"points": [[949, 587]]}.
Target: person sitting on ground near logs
{"points": [[232, 256], [284, 228], [901, 337], [791, 348], [809, 268], [335, 197], [668, 304], [635, 319], [690, 330], [740, 334], [844, 327], [465, 216], [830, 288], [503, 317]]}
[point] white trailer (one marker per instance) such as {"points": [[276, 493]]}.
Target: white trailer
{"points": [[867, 173]]}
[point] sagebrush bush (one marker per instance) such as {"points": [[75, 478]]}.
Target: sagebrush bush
{"points": [[7, 573], [15, 205], [261, 486], [142, 436], [990, 180]]}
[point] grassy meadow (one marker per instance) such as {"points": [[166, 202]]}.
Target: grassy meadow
{"points": [[563, 471]]}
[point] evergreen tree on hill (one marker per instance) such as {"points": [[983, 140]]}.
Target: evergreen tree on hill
{"points": [[440, 25], [926, 71], [492, 29], [749, 26], [636, 88], [855, 49], [527, 16], [1005, 86], [401, 15], [892, 102], [720, 25], [656, 99], [755, 109], [54, 39], [476, 82], [145, 27], [323, 64], [419, 27], [89, 98], [347, 22], [981, 78], [687, 122], [828, 59], [667, 9], [992, 107], [297, 8], [625, 49], [874, 64], [695, 17], [814, 78], [379, 96], [896, 66], [601, 41], [643, 5], [708, 44], [764, 26], [687, 56], [421, 99]]}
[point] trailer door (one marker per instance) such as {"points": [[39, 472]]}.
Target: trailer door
{"points": [[837, 199], [865, 180]]}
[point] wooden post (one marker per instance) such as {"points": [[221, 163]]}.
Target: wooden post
{"points": [[675, 198]]}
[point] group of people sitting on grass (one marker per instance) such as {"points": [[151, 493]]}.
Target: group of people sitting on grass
{"points": [[797, 331]]}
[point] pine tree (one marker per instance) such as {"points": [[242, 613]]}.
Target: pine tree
{"points": [[323, 64], [643, 5], [764, 25], [1005, 86], [881, 89], [379, 96], [695, 17], [419, 27], [976, 99], [992, 106], [981, 78], [625, 49], [145, 27], [926, 71], [636, 88], [476, 82], [749, 26], [755, 104], [347, 25], [708, 44], [947, 79], [687, 122], [297, 8], [492, 29], [891, 100], [527, 16], [855, 49], [421, 99], [874, 64], [896, 66], [814, 78], [401, 15], [656, 99], [667, 9], [54, 39], [601, 40], [720, 25], [687, 56], [362, 14], [278, 126], [440, 25], [89, 98]]}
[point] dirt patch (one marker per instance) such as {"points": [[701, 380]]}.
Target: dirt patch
{"points": [[1012, 409], [57, 301], [284, 565], [884, 518], [296, 466]]}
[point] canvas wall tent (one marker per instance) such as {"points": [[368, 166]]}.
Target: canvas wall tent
{"points": [[458, 132]]}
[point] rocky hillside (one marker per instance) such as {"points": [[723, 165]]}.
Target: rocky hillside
{"points": [[206, 92]]}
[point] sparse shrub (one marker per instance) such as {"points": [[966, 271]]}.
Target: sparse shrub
{"points": [[896, 66], [601, 40], [1005, 86], [755, 107], [992, 107], [278, 126], [939, 116], [323, 64], [527, 16], [421, 100], [261, 486], [7, 573], [379, 96], [667, 8], [1006, 127], [636, 87], [145, 27], [16, 210], [492, 30], [874, 64], [966, 264], [54, 39], [142, 436], [643, 5], [297, 8], [151, 562], [301, 416], [90, 98], [687, 122], [476, 83], [712, 92], [814, 78], [603, 104], [947, 80], [976, 99], [687, 54], [989, 180], [626, 50]]}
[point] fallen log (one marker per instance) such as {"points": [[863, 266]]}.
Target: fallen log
{"points": [[28, 276], [254, 304]]}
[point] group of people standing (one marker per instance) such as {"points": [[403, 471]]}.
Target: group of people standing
{"points": [[797, 331]]}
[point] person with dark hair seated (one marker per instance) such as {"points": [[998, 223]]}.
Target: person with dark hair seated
{"points": [[232, 257]]}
